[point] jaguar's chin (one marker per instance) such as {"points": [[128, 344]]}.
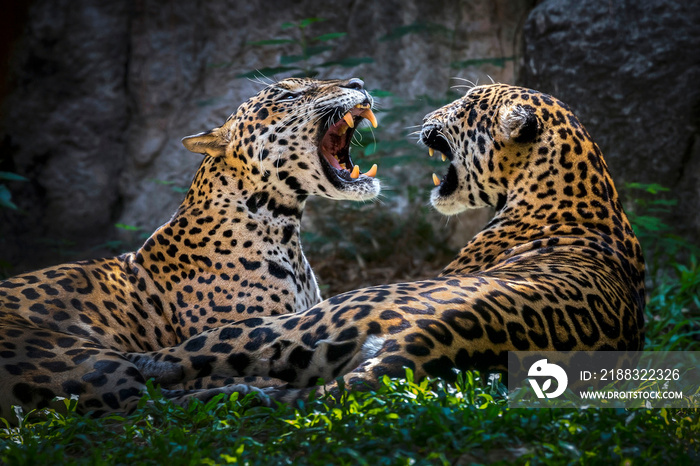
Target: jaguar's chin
{"points": [[445, 196]]}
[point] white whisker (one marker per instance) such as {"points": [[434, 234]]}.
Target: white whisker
{"points": [[472, 83]]}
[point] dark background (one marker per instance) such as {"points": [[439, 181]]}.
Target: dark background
{"points": [[95, 97]]}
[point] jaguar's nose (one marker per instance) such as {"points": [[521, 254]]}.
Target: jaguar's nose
{"points": [[429, 132]]}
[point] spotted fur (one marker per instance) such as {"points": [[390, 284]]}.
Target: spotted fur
{"points": [[231, 251], [557, 268]]}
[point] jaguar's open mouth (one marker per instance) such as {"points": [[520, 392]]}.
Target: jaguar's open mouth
{"points": [[334, 145], [433, 137]]}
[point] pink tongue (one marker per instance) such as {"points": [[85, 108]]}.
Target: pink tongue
{"points": [[331, 143], [332, 160]]}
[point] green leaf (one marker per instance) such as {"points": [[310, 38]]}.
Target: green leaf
{"points": [[330, 36], [652, 188], [126, 227], [317, 49], [9, 176], [114, 245], [288, 59], [308, 21], [163, 182], [206, 102], [664, 202], [417, 27], [5, 198], [272, 42]]}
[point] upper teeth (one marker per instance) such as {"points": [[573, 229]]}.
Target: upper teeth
{"points": [[366, 113], [370, 116], [431, 152], [349, 120]]}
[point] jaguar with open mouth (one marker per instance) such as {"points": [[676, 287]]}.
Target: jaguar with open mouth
{"points": [[334, 144], [231, 251], [311, 125], [433, 137]]}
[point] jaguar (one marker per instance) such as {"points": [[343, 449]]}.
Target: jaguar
{"points": [[557, 268], [231, 251]]}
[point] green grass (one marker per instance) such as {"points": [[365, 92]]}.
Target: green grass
{"points": [[673, 309], [404, 423]]}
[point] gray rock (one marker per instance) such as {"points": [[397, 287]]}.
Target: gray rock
{"points": [[630, 70], [64, 124], [102, 92]]}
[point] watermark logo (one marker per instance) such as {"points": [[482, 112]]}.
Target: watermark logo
{"points": [[541, 369], [604, 379]]}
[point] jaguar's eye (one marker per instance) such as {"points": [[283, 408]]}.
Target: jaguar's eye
{"points": [[289, 96]]}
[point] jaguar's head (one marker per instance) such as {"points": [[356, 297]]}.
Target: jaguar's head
{"points": [[504, 142], [294, 137]]}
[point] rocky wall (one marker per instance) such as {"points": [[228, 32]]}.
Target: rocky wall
{"points": [[631, 72], [99, 95]]}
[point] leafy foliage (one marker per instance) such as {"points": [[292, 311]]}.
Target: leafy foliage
{"points": [[673, 285], [309, 47], [418, 27], [403, 423], [5, 194]]}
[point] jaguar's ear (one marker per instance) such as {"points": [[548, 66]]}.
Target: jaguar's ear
{"points": [[208, 142], [519, 123]]}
